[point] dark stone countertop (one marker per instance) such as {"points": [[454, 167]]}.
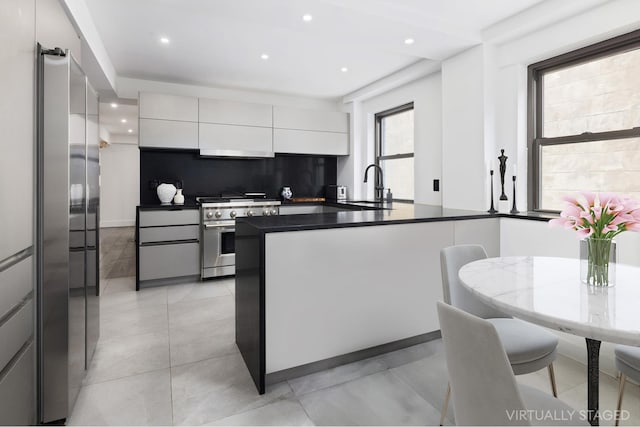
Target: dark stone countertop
{"points": [[357, 214], [171, 207]]}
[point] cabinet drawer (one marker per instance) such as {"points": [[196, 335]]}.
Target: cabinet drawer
{"points": [[310, 142], [159, 218], [168, 107], [235, 113], [17, 391], [168, 134], [165, 261], [231, 140], [167, 234], [16, 331], [15, 284]]}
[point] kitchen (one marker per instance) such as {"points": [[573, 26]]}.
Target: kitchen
{"points": [[295, 283]]}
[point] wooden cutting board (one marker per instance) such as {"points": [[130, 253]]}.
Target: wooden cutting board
{"points": [[307, 199]]}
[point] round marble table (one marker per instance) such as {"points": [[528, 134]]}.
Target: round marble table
{"points": [[548, 292]]}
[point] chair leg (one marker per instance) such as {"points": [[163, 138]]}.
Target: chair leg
{"points": [[552, 378], [445, 405], [623, 380]]}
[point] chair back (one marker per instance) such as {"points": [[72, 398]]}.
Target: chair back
{"points": [[452, 259], [483, 387]]}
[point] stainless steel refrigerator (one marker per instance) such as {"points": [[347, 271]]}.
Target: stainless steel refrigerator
{"points": [[67, 248]]}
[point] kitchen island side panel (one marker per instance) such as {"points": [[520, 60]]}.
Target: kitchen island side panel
{"points": [[335, 291], [250, 321]]}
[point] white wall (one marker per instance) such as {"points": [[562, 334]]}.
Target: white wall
{"points": [[425, 93], [119, 182], [54, 29], [463, 129]]}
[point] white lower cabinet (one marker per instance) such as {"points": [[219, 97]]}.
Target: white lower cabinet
{"points": [[233, 140], [310, 142], [168, 134]]}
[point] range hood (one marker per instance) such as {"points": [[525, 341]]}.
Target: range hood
{"points": [[236, 153]]}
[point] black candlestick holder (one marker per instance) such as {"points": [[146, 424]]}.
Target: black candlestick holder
{"points": [[492, 209], [514, 209]]}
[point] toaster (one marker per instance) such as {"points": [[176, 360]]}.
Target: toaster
{"points": [[337, 192]]}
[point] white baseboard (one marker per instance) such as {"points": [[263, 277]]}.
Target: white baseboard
{"points": [[117, 223]]}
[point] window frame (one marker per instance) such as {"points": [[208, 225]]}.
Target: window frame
{"points": [[535, 140], [379, 117]]}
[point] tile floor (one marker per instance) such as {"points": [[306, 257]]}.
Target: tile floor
{"points": [[117, 252], [167, 356]]}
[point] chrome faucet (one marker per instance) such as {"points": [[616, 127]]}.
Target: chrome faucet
{"points": [[379, 191]]}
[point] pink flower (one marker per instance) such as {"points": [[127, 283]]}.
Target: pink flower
{"points": [[585, 232], [634, 226], [586, 200], [599, 215], [561, 222]]}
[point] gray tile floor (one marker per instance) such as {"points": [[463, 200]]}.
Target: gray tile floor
{"points": [[117, 252], [167, 356]]}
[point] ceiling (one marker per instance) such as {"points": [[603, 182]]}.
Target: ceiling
{"points": [[220, 42], [111, 119]]}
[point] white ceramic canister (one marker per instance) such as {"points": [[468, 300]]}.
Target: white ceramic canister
{"points": [[166, 193]]}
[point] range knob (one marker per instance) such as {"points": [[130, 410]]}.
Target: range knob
{"points": [[274, 212], [209, 214], [232, 214], [249, 213], [218, 214], [266, 212]]}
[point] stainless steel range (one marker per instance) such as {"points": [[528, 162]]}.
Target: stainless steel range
{"points": [[218, 227]]}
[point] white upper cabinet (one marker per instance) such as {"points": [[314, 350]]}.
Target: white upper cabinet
{"points": [[168, 107], [233, 140], [168, 134], [310, 132], [310, 142], [325, 121], [235, 113]]}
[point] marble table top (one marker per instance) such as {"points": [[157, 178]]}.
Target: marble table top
{"points": [[548, 291]]}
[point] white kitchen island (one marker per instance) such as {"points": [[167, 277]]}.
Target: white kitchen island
{"points": [[316, 291]]}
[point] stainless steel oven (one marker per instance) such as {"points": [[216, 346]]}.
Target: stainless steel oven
{"points": [[219, 251], [218, 228]]}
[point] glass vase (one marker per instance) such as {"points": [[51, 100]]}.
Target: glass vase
{"points": [[598, 262]]}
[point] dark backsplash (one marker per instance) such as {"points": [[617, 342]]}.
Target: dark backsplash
{"points": [[306, 175]]}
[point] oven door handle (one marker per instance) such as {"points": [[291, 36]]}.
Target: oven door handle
{"points": [[224, 228]]}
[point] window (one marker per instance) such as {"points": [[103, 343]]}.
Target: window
{"points": [[584, 122], [394, 151]]}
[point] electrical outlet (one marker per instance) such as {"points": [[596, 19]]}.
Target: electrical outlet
{"points": [[436, 185]]}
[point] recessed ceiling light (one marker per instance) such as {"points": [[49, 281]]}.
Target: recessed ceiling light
{"points": [[124, 120], [114, 105], [130, 131], [307, 17], [164, 40], [264, 56], [409, 41], [344, 69]]}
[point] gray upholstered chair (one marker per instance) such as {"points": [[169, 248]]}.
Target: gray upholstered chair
{"points": [[483, 386], [529, 347], [628, 363]]}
